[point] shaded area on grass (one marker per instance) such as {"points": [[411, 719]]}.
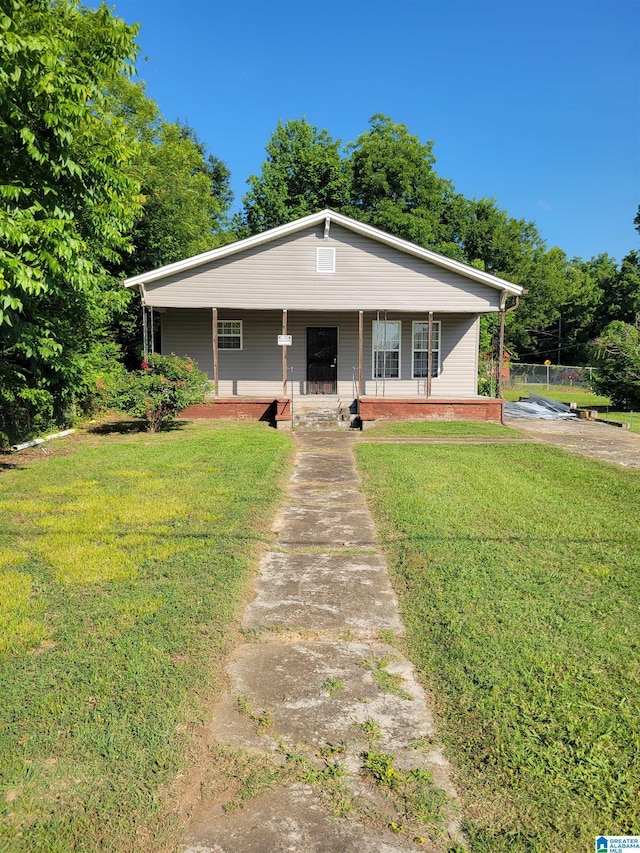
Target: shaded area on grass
{"points": [[517, 569], [131, 557]]}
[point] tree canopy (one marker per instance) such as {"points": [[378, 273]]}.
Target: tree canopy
{"points": [[303, 173], [94, 185], [68, 196]]}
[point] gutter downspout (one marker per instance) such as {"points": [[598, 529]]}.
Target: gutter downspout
{"points": [[503, 311]]}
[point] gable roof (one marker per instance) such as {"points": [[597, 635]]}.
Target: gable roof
{"points": [[327, 216]]}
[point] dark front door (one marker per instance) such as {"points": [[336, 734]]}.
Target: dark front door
{"points": [[322, 359]]}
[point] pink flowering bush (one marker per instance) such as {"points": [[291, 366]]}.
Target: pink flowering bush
{"points": [[161, 389]]}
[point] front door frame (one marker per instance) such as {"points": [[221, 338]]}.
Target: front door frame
{"points": [[322, 385]]}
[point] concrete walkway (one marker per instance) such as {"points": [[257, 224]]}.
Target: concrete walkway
{"points": [[319, 668]]}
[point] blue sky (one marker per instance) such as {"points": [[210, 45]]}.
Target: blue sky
{"points": [[535, 103]]}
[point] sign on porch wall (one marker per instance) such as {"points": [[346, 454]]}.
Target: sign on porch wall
{"points": [[285, 340]]}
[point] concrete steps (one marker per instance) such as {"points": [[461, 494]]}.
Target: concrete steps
{"points": [[323, 414]]}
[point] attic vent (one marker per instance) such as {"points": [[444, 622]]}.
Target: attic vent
{"points": [[325, 259]]}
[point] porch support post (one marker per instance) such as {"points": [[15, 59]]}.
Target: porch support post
{"points": [[214, 331], [500, 355], [151, 331], [429, 353], [284, 354], [360, 353], [145, 333]]}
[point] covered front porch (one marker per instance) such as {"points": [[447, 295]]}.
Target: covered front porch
{"points": [[296, 353], [378, 364]]}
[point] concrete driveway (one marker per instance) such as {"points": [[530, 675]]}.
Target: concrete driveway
{"points": [[589, 438]]}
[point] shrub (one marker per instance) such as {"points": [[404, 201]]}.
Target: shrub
{"points": [[161, 389], [617, 358]]}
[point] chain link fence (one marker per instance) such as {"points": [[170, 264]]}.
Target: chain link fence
{"points": [[548, 374]]}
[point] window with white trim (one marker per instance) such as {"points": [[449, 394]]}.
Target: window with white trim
{"points": [[420, 339], [386, 349], [229, 334], [325, 259]]}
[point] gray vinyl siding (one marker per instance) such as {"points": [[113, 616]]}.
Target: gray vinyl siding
{"points": [[256, 370], [282, 274]]}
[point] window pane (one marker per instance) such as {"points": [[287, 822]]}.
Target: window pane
{"points": [[387, 365], [230, 334], [386, 335], [393, 336], [392, 365], [419, 365], [421, 348], [228, 342], [420, 335]]}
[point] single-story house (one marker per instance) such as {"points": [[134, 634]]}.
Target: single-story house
{"points": [[328, 306]]}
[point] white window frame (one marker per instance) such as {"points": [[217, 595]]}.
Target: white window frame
{"points": [[435, 351], [225, 335], [374, 350], [325, 259]]}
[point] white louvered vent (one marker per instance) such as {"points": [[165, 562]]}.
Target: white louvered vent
{"points": [[325, 259]]}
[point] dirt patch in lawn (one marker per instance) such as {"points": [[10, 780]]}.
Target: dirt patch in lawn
{"points": [[589, 438]]}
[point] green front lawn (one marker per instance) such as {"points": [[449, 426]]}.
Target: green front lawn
{"points": [[124, 560], [517, 569]]}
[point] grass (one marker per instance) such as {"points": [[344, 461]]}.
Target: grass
{"points": [[386, 682], [263, 719], [631, 418], [333, 686], [442, 430], [583, 397], [124, 559], [517, 571], [412, 792]]}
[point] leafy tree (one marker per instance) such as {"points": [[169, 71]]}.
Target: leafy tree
{"points": [[186, 196], [303, 173], [622, 293], [67, 195], [617, 357], [393, 185], [496, 242]]}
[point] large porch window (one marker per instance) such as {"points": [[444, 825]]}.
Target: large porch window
{"points": [[229, 334], [420, 337], [386, 349]]}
